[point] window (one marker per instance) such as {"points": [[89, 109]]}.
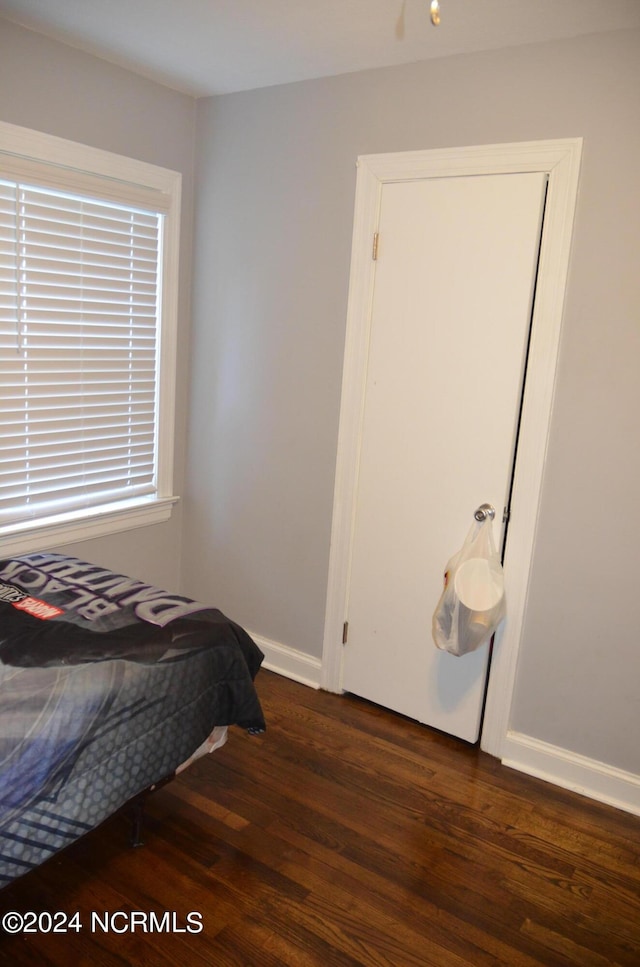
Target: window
{"points": [[88, 263]]}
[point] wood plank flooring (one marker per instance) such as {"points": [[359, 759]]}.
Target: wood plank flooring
{"points": [[345, 836]]}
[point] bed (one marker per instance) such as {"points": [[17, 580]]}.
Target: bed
{"points": [[107, 686]]}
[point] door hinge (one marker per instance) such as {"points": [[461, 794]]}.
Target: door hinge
{"points": [[345, 632], [374, 252]]}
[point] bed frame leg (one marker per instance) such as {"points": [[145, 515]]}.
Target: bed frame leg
{"points": [[136, 821], [137, 809]]}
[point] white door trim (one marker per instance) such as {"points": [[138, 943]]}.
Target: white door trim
{"points": [[560, 160]]}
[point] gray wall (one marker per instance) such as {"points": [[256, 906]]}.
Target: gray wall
{"points": [[54, 88], [275, 188]]}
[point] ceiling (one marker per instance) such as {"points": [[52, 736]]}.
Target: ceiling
{"points": [[205, 47]]}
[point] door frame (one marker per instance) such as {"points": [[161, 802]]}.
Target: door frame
{"points": [[560, 161]]}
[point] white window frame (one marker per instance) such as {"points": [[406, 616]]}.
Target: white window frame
{"points": [[79, 168]]}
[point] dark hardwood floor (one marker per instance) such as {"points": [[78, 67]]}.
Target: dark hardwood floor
{"points": [[345, 836]]}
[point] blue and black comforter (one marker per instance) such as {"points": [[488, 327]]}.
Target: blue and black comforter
{"points": [[107, 685]]}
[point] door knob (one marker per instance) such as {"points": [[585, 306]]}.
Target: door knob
{"points": [[484, 511]]}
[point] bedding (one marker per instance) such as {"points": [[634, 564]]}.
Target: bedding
{"points": [[107, 685]]}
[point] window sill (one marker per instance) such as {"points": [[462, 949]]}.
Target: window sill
{"points": [[84, 525]]}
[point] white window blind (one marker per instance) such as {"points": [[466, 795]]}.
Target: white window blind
{"points": [[80, 282]]}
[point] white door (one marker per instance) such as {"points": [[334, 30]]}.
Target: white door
{"points": [[449, 328]]}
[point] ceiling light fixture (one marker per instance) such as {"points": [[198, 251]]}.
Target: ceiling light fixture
{"points": [[435, 13]]}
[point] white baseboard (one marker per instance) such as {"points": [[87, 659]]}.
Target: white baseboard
{"points": [[289, 662], [591, 778]]}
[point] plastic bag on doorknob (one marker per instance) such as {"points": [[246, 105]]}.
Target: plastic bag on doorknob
{"points": [[472, 604]]}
